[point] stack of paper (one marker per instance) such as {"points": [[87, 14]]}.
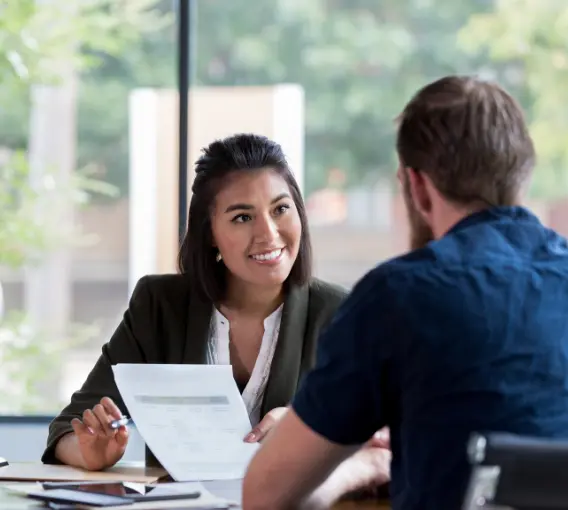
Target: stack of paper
{"points": [[192, 417]]}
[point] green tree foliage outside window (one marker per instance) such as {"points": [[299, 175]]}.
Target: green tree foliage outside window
{"points": [[34, 36]]}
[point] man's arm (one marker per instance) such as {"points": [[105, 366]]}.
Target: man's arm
{"points": [[291, 464], [337, 409]]}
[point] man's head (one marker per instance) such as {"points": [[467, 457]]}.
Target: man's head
{"points": [[463, 145]]}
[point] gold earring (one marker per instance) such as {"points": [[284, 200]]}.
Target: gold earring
{"points": [[219, 257]]}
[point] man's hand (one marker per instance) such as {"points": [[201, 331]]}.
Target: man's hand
{"points": [[368, 468], [298, 468], [381, 439]]}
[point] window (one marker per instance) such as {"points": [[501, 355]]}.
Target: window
{"points": [[68, 71], [87, 98], [358, 62]]}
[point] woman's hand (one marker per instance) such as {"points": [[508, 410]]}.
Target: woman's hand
{"points": [[100, 445], [271, 418]]}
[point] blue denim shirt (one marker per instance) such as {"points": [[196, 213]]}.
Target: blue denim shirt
{"points": [[467, 334]]}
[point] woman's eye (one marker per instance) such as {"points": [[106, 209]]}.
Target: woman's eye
{"points": [[241, 218], [281, 209]]}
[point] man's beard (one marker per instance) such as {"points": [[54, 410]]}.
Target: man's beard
{"points": [[420, 233]]}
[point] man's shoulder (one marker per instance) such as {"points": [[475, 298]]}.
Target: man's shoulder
{"points": [[394, 281], [401, 268], [451, 253]]}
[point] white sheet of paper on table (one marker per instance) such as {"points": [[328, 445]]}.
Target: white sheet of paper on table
{"points": [[192, 417]]}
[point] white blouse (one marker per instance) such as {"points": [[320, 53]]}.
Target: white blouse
{"points": [[218, 354]]}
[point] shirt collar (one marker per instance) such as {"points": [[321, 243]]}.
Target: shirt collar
{"points": [[269, 322], [513, 213]]}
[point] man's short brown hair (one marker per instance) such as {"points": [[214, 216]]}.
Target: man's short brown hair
{"points": [[470, 137]]}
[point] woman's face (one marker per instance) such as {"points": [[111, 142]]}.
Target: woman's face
{"points": [[256, 227]]}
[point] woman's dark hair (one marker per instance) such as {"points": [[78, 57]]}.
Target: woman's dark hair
{"points": [[238, 153]]}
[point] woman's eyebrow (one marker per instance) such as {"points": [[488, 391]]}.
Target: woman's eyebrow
{"points": [[248, 207], [235, 207]]}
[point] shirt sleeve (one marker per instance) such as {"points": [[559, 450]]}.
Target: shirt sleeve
{"points": [[340, 398]]}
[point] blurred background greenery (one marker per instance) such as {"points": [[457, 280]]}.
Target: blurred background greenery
{"points": [[358, 61]]}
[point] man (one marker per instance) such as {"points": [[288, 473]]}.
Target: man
{"points": [[468, 332]]}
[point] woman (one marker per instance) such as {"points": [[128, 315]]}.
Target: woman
{"points": [[244, 296]]}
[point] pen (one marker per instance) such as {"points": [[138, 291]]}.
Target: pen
{"points": [[116, 424]]}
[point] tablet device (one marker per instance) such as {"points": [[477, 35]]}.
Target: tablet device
{"points": [[79, 497], [130, 491]]}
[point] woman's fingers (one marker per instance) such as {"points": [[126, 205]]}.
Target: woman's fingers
{"points": [[93, 422], [104, 419], [122, 436], [259, 432], [80, 428], [111, 408], [97, 421]]}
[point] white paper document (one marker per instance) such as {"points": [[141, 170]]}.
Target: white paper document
{"points": [[192, 417]]}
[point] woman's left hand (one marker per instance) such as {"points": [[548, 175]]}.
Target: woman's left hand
{"points": [[271, 418]]}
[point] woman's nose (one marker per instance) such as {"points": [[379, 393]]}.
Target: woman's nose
{"points": [[266, 229]]}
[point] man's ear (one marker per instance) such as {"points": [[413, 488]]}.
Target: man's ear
{"points": [[419, 191]]}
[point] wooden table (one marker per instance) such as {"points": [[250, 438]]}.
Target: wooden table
{"points": [[363, 505], [10, 501]]}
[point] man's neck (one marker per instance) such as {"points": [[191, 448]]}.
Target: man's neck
{"points": [[449, 215]]}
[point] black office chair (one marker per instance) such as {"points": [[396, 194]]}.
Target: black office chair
{"points": [[517, 472]]}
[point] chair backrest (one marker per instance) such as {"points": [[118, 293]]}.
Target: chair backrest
{"points": [[523, 473]]}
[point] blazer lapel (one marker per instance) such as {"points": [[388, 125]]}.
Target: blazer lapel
{"points": [[197, 331], [285, 368]]}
